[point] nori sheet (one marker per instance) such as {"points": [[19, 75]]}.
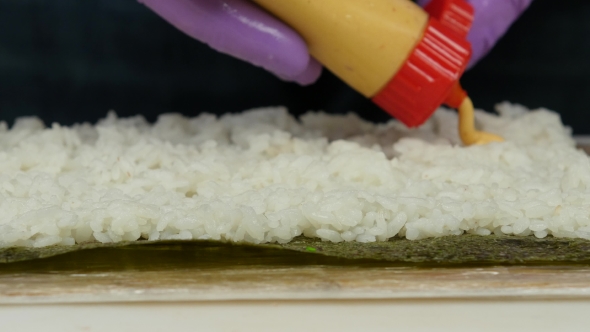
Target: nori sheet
{"points": [[464, 250]]}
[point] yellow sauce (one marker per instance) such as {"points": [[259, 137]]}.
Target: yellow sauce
{"points": [[469, 135], [364, 42]]}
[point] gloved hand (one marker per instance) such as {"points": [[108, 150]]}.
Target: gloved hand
{"points": [[492, 20], [243, 30]]}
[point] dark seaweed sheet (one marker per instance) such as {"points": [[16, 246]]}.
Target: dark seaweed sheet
{"points": [[448, 251]]}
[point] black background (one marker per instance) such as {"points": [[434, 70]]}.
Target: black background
{"points": [[73, 60]]}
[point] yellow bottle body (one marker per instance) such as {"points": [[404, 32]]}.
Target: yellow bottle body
{"points": [[364, 42]]}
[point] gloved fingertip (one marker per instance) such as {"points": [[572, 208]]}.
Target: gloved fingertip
{"points": [[311, 74], [307, 77]]}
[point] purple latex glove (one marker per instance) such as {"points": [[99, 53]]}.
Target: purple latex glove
{"points": [[243, 30], [492, 20]]}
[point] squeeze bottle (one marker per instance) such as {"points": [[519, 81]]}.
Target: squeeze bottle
{"points": [[408, 60]]}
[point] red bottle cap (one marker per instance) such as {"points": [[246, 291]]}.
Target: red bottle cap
{"points": [[430, 76]]}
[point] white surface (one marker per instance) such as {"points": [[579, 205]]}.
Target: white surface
{"points": [[413, 316]]}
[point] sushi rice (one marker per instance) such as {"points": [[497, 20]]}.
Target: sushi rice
{"points": [[264, 176]]}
